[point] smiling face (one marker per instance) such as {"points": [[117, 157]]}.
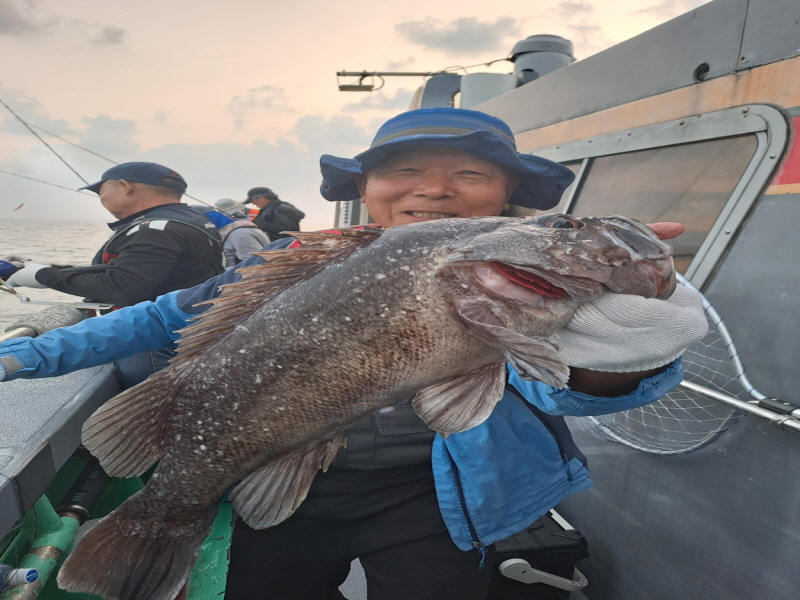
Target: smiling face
{"points": [[423, 183]]}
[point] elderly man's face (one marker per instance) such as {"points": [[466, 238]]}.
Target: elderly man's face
{"points": [[423, 183]]}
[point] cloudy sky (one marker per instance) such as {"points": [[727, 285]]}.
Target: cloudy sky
{"points": [[241, 93]]}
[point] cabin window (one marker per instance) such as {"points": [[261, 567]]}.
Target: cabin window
{"points": [[706, 171], [689, 183]]}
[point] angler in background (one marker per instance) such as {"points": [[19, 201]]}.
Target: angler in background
{"points": [[274, 215], [236, 210], [419, 510], [159, 245], [240, 236]]}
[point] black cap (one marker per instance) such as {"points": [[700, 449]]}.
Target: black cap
{"points": [[142, 172], [261, 191]]}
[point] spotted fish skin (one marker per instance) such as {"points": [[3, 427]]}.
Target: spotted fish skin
{"points": [[305, 345]]}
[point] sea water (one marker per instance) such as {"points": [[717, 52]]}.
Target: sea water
{"points": [[50, 241]]}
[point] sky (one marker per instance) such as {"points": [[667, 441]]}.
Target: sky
{"points": [[235, 94]]}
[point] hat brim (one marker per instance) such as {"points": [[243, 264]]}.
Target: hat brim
{"points": [[95, 187], [542, 181]]}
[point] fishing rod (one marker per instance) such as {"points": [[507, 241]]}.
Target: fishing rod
{"points": [[30, 126], [38, 137], [38, 321], [46, 183]]}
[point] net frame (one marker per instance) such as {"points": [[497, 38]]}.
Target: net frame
{"points": [[684, 420]]}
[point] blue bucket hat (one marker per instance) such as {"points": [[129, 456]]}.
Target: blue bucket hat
{"points": [[541, 184], [142, 172]]}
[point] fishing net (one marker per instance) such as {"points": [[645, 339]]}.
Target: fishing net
{"points": [[355, 586], [684, 420]]}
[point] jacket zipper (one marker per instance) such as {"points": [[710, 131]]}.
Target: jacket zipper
{"points": [[476, 542]]}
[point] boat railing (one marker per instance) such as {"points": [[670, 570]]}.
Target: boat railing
{"points": [[36, 534]]}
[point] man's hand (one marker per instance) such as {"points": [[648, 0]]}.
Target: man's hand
{"points": [[26, 276], [613, 343], [621, 333], [617, 340]]}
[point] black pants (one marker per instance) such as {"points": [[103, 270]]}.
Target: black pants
{"points": [[387, 518]]}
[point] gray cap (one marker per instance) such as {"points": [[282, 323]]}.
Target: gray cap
{"points": [[229, 205]]}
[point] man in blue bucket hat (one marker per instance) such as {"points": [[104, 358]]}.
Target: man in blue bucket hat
{"points": [[420, 511], [540, 181]]}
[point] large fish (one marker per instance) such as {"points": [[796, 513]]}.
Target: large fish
{"points": [[267, 382]]}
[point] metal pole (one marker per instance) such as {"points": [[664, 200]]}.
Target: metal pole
{"points": [[782, 421], [387, 74]]}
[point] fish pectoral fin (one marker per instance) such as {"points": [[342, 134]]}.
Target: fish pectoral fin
{"points": [[271, 493], [531, 357], [461, 403], [536, 358], [127, 433]]}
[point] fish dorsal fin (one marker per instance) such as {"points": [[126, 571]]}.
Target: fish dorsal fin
{"points": [[531, 357], [271, 493], [461, 403], [259, 284]]}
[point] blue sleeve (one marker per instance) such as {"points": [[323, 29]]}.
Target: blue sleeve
{"points": [[116, 335], [564, 401], [95, 341]]}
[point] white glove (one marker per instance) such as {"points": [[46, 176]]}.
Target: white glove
{"points": [[26, 276], [621, 333]]}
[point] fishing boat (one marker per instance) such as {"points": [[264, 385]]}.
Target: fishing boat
{"points": [[694, 497]]}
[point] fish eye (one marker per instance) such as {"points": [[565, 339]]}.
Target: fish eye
{"points": [[560, 222]]}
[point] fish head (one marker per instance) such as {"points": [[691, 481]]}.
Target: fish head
{"points": [[536, 271]]}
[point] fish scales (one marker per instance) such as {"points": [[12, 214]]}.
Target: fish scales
{"points": [[264, 397]]}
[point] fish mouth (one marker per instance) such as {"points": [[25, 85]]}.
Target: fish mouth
{"points": [[510, 283], [530, 281]]}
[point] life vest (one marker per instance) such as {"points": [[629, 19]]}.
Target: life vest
{"points": [[180, 213]]}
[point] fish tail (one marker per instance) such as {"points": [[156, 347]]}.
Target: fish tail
{"points": [[126, 558]]}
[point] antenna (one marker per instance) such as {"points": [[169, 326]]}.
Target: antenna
{"points": [[370, 87]]}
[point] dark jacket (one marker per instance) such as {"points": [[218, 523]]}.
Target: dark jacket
{"points": [[155, 251], [278, 216]]}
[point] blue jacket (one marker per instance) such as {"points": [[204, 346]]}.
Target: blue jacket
{"points": [[491, 481]]}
